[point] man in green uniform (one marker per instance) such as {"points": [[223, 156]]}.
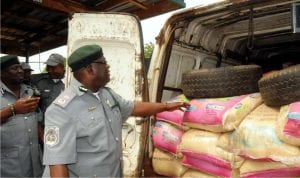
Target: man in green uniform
{"points": [[50, 85], [20, 152], [83, 126]]}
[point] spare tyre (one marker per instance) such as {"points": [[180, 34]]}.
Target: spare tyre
{"points": [[221, 82], [282, 87]]}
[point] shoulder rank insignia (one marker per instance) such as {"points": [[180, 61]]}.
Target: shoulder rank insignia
{"points": [[91, 108], [64, 98]]}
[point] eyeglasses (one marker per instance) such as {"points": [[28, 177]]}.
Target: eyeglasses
{"points": [[100, 62]]}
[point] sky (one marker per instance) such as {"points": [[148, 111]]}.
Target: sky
{"points": [[150, 27]]}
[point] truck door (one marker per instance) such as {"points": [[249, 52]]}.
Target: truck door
{"points": [[120, 37]]}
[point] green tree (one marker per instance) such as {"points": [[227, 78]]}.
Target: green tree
{"points": [[148, 49]]}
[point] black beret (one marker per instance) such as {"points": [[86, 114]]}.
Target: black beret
{"points": [[9, 60], [84, 55]]}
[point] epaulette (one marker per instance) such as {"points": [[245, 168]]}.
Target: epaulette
{"points": [[64, 99]]}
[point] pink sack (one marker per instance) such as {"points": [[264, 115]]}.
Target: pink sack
{"points": [[166, 137], [207, 163], [292, 126], [256, 138], [210, 111], [174, 117]]}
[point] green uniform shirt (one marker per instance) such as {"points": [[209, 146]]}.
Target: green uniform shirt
{"points": [[20, 152], [49, 90], [85, 132]]}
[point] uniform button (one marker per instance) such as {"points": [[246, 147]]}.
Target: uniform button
{"points": [[117, 139], [109, 120], [30, 143], [25, 118], [92, 118], [121, 158], [29, 130]]}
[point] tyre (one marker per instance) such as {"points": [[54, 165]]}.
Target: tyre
{"points": [[221, 82], [282, 87]]}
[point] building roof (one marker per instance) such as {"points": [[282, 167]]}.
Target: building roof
{"points": [[29, 27]]}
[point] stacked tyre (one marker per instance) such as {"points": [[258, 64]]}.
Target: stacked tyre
{"points": [[221, 82], [277, 89], [281, 88]]}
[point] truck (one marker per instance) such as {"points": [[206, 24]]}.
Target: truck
{"points": [[229, 33]]}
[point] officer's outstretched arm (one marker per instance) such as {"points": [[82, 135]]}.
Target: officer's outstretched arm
{"points": [[148, 109], [59, 171]]}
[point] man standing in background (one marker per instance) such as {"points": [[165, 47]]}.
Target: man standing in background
{"points": [[50, 84]]}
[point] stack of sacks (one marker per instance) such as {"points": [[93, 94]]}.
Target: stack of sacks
{"points": [[166, 164], [200, 151], [166, 137], [220, 114], [199, 147], [174, 117], [256, 140], [288, 124]]}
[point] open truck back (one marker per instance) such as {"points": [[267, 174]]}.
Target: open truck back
{"points": [[225, 34]]}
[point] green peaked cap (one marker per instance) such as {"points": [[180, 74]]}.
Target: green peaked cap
{"points": [[84, 55], [9, 60]]}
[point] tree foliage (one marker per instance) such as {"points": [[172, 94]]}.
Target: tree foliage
{"points": [[148, 49]]}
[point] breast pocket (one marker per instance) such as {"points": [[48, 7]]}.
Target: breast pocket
{"points": [[11, 122], [92, 134], [10, 162], [90, 119], [10, 130]]}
